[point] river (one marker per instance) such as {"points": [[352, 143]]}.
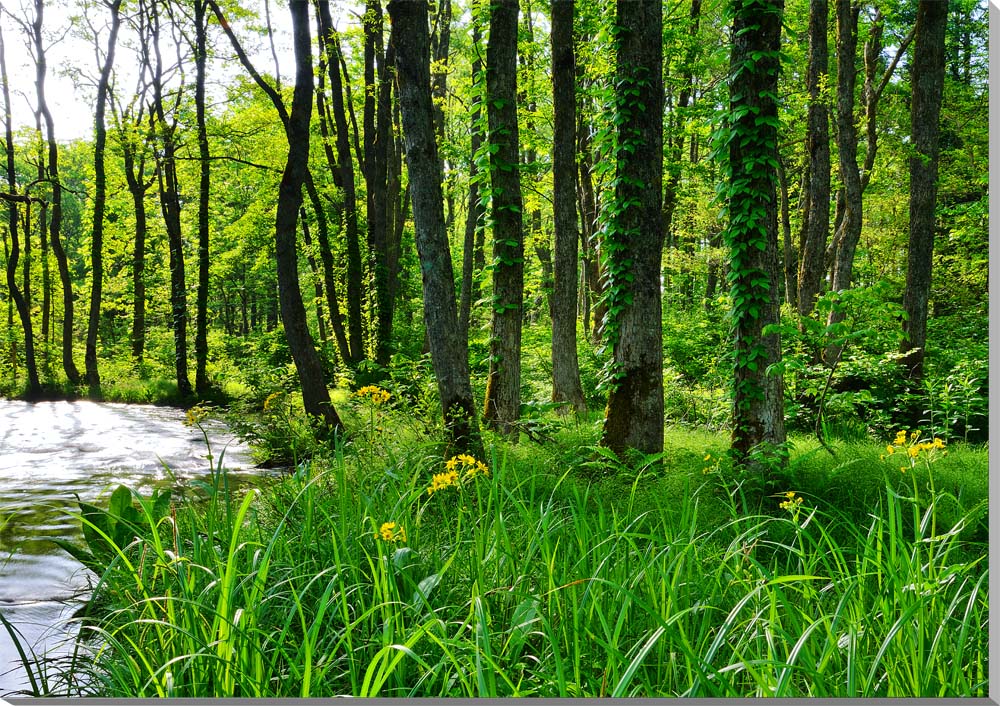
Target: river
{"points": [[51, 452]]}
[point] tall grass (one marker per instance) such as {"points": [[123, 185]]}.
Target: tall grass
{"points": [[531, 581]]}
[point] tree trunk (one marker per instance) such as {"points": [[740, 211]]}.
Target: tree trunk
{"points": [[927, 85], [566, 385], [449, 350], [316, 275], [34, 385], [315, 396], [476, 212], [170, 207], [503, 385], [329, 45], [100, 199], [752, 236], [634, 237], [204, 187], [816, 220], [55, 212]]}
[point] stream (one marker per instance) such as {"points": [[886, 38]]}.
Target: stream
{"points": [[52, 452]]}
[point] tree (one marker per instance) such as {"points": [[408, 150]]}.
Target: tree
{"points": [[315, 396], [34, 385], [502, 407], [751, 142], [330, 47], [816, 220], [565, 366], [449, 349], [170, 203], [204, 186], [927, 85], [55, 215], [100, 199], [633, 238]]}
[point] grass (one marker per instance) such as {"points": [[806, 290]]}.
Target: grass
{"points": [[554, 575]]}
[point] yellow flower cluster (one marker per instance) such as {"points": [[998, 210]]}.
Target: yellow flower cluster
{"points": [[391, 532], [791, 502], [440, 481], [271, 399], [468, 464], [456, 470], [374, 393], [910, 447], [195, 416]]}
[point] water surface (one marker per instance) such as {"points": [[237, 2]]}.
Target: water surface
{"points": [[52, 452]]}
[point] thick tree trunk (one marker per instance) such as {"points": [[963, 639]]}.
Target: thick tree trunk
{"points": [[566, 385], [758, 404], [927, 84], [634, 243], [204, 186], [449, 350], [816, 220], [503, 386], [315, 396], [100, 199]]}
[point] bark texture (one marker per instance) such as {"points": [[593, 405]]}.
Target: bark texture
{"points": [[449, 350], [758, 404], [566, 385], [503, 385], [204, 185], [816, 222], [634, 416], [315, 396], [927, 85]]}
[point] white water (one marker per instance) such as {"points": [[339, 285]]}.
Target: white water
{"points": [[52, 452]]}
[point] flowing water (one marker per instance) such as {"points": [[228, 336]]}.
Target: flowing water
{"points": [[50, 454]]}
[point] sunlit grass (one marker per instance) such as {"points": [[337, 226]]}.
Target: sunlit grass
{"points": [[547, 578]]}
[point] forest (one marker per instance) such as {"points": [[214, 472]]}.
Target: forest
{"points": [[612, 348]]}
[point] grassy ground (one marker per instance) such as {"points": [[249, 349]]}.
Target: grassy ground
{"points": [[560, 572]]}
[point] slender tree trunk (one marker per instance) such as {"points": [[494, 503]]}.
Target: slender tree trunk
{"points": [[503, 385], [316, 275], [476, 212], [927, 85], [849, 200], [170, 207], [204, 188], [315, 396], [788, 252], [758, 404], [634, 415], [55, 208], [816, 220], [100, 199], [329, 46], [134, 176], [449, 350], [24, 314], [566, 385]]}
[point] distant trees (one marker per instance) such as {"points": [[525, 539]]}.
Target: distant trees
{"points": [[606, 174]]}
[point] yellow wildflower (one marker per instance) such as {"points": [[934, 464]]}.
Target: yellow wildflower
{"points": [[440, 481], [196, 415], [890, 449], [270, 400], [374, 393], [391, 532], [937, 443], [708, 457], [900, 438], [792, 501]]}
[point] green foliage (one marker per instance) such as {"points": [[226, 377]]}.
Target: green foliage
{"points": [[349, 577]]}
